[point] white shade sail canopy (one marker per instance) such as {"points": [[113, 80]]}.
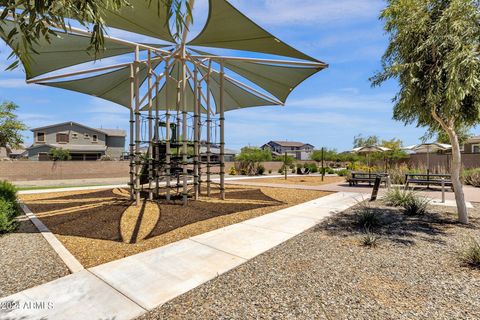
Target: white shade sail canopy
{"points": [[370, 149], [228, 28], [429, 147]]}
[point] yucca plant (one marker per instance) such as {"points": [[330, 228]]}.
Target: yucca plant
{"points": [[398, 197], [416, 205], [471, 255]]}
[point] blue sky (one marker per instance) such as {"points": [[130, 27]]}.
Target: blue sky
{"points": [[327, 110]]}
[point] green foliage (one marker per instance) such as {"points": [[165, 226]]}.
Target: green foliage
{"points": [[333, 156], [232, 171], [361, 141], [442, 137], [33, 18], [370, 239], [8, 191], [312, 167], [59, 154], [260, 170], [251, 157], [367, 217], [281, 170], [270, 171], [8, 212], [327, 170], [471, 255], [472, 177], [10, 126], [416, 205], [343, 172], [398, 197]]}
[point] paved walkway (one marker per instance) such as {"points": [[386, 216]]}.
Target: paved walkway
{"points": [[129, 287]]}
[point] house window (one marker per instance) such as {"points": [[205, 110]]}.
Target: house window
{"points": [[86, 136], [476, 148], [40, 136], [94, 138], [62, 138], [74, 136]]}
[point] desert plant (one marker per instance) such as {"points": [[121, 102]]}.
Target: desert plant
{"points": [[471, 255], [398, 197], [270, 171], [343, 172], [8, 191], [370, 239], [280, 170], [260, 169], [232, 171], [243, 172], [367, 217], [472, 177], [106, 157], [8, 212], [416, 205]]}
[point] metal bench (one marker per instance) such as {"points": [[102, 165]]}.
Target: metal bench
{"points": [[428, 179], [360, 177]]}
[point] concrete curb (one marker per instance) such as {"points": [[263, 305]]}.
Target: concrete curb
{"points": [[72, 263]]}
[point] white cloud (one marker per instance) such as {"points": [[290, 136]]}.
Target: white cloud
{"points": [[347, 100], [13, 83]]}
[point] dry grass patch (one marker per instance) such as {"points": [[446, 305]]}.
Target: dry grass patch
{"points": [[299, 180], [99, 226]]}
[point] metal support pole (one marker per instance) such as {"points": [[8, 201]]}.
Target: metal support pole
{"points": [[209, 132], [137, 127], [131, 155], [157, 134], [443, 190], [222, 130], [323, 164], [199, 138], [184, 129], [195, 134], [168, 151], [150, 129]]}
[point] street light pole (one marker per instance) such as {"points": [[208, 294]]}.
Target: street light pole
{"points": [[323, 164]]}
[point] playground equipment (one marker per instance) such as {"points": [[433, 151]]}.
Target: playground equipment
{"points": [[177, 95]]}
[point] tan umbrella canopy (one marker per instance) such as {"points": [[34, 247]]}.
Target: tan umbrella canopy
{"points": [[429, 148], [367, 150]]}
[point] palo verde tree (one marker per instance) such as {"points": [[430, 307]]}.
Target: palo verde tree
{"points": [[35, 19], [250, 159], [10, 126], [434, 55]]}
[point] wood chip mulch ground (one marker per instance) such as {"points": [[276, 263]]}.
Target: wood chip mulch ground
{"points": [[27, 260], [98, 226], [326, 273]]}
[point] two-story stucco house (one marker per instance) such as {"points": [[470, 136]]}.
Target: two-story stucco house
{"points": [[83, 143], [298, 150]]}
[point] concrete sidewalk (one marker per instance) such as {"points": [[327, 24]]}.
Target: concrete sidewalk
{"points": [[127, 288]]}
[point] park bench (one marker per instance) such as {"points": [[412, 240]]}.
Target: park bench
{"points": [[428, 179], [366, 177]]}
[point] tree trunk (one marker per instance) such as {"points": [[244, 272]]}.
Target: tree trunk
{"points": [[455, 171]]}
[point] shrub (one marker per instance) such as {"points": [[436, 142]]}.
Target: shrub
{"points": [[8, 191], [232, 171], [397, 174], [270, 171], [370, 239], [471, 255], [343, 172], [8, 212], [367, 217], [398, 197], [312, 167], [472, 177], [59, 154], [106, 157], [415, 206], [293, 171], [280, 170], [243, 172], [260, 170]]}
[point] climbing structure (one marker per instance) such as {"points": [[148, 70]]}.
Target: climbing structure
{"points": [[177, 95]]}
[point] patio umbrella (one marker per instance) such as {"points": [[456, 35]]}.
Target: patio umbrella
{"points": [[428, 148], [367, 150]]}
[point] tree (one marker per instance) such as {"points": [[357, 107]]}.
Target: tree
{"points": [[35, 18], [360, 141], [434, 54], [396, 152], [463, 134], [10, 127], [251, 157], [59, 154]]}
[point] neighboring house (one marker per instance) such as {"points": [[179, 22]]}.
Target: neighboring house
{"points": [[472, 145], [84, 143], [298, 150], [8, 153], [229, 155]]}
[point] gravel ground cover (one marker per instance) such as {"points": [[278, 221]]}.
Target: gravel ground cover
{"points": [[326, 273], [302, 180], [98, 226], [27, 260]]}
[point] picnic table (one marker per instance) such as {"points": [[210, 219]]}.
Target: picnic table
{"points": [[428, 179], [360, 177]]}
